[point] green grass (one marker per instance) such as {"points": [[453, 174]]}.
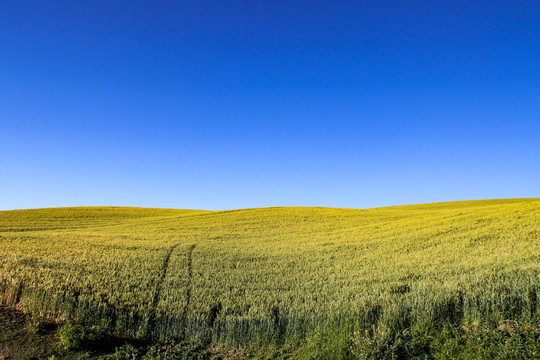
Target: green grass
{"points": [[275, 275]]}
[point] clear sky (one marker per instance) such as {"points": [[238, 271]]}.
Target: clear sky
{"points": [[233, 104]]}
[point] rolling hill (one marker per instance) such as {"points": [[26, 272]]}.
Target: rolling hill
{"points": [[269, 275]]}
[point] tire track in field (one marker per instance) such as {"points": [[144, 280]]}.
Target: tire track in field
{"points": [[153, 310], [189, 283]]}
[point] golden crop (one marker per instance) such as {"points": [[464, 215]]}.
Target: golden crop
{"points": [[255, 274]]}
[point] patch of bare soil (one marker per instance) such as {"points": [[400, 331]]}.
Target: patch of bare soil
{"points": [[25, 338]]}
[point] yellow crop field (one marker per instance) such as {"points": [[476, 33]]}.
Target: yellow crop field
{"points": [[268, 274]]}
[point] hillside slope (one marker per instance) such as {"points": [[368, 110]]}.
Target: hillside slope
{"points": [[266, 274]]}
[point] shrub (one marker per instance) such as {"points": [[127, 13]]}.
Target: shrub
{"points": [[74, 335], [172, 351], [125, 352], [71, 335]]}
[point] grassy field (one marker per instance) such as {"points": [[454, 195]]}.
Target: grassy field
{"points": [[342, 282]]}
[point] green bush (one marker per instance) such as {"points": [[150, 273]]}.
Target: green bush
{"points": [[71, 335], [506, 339], [125, 352], [74, 335], [172, 351]]}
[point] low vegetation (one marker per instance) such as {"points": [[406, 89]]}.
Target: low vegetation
{"points": [[423, 281]]}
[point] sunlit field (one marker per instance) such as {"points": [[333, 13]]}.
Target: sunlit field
{"points": [[275, 275]]}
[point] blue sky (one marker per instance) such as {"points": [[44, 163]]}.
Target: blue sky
{"points": [[234, 104]]}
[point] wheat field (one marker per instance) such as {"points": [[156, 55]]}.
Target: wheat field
{"points": [[269, 274]]}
